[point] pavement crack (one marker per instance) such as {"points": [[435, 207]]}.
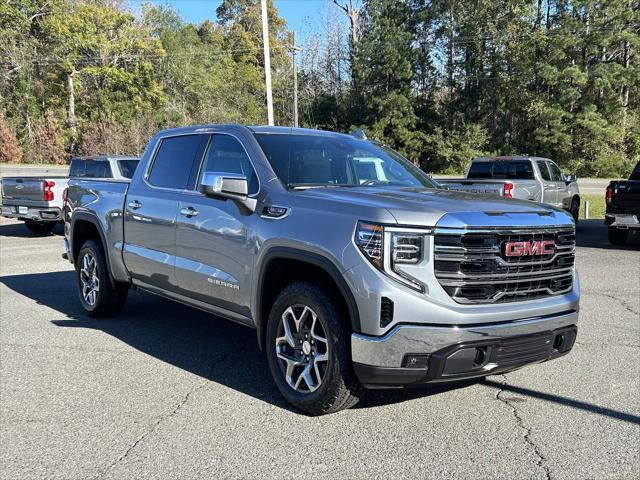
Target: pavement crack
{"points": [[217, 361], [618, 300], [540, 460]]}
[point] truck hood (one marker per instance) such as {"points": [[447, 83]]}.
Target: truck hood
{"points": [[428, 207]]}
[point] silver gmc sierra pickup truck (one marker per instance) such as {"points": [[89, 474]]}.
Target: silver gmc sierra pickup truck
{"points": [[527, 178], [353, 267]]}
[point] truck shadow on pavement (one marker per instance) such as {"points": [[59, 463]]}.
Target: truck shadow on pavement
{"points": [[593, 234], [208, 346], [20, 230], [217, 349]]}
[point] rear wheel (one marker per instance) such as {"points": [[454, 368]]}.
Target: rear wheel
{"points": [[99, 296], [39, 227], [308, 351], [618, 236]]}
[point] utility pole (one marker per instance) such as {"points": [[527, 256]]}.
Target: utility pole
{"points": [[295, 50], [267, 61]]}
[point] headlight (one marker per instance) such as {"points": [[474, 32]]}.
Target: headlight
{"points": [[389, 248]]}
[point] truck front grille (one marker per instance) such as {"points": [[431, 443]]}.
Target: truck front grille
{"points": [[473, 265]]}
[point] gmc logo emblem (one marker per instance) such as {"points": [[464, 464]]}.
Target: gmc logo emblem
{"points": [[522, 249]]}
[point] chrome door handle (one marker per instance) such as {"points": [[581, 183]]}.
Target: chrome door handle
{"points": [[134, 205], [188, 212]]}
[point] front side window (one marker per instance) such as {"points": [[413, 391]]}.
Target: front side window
{"points": [[227, 155], [544, 171], [319, 160], [172, 164], [556, 174]]}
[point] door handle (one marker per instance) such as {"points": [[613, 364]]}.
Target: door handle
{"points": [[134, 205], [188, 212]]}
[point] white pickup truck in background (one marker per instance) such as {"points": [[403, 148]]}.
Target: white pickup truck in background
{"points": [[39, 201], [527, 178]]}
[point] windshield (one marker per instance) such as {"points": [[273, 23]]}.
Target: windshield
{"points": [[127, 167], [635, 175], [507, 170], [318, 160]]}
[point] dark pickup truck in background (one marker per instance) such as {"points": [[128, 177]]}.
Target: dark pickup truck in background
{"points": [[623, 207]]}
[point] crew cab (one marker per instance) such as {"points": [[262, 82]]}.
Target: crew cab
{"points": [[528, 178], [39, 201], [353, 266], [622, 200]]}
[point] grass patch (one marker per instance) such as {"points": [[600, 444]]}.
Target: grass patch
{"points": [[596, 206]]}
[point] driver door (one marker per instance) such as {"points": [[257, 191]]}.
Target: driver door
{"points": [[214, 235]]}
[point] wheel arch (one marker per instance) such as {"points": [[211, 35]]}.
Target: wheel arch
{"points": [[86, 226], [328, 274]]}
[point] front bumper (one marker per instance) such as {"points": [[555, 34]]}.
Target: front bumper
{"points": [[622, 220], [453, 353], [32, 213]]}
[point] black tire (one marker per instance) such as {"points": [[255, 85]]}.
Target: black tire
{"points": [[339, 388], [39, 227], [618, 236], [111, 296], [574, 209]]}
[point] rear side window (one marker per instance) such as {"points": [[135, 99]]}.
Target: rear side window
{"points": [[77, 167], [544, 171], [504, 170], [127, 167], [172, 164], [227, 155]]}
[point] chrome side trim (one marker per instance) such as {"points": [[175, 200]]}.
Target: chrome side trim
{"points": [[388, 351]]}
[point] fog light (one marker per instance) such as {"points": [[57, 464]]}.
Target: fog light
{"points": [[412, 360]]}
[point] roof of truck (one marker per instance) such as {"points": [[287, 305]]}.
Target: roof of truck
{"points": [[105, 157], [297, 131], [262, 129], [507, 158]]}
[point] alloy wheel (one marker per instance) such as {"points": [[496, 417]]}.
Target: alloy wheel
{"points": [[302, 349], [89, 279]]}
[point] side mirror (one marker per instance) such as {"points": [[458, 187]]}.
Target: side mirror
{"points": [[570, 179], [231, 186]]}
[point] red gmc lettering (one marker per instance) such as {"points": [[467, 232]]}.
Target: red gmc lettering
{"points": [[520, 249]]}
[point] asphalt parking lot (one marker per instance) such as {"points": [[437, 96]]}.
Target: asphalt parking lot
{"points": [[165, 391]]}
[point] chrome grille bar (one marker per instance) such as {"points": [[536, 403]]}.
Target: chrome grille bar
{"points": [[471, 264]]}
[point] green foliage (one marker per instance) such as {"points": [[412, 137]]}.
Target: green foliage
{"points": [[101, 72], [441, 81], [451, 152]]}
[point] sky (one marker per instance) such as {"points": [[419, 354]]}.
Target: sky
{"points": [[299, 14]]}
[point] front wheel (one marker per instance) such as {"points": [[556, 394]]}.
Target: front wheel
{"points": [[99, 296], [618, 236], [40, 227], [574, 209], [308, 351]]}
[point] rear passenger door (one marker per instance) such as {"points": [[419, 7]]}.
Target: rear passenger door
{"points": [[151, 209], [548, 185], [213, 261]]}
